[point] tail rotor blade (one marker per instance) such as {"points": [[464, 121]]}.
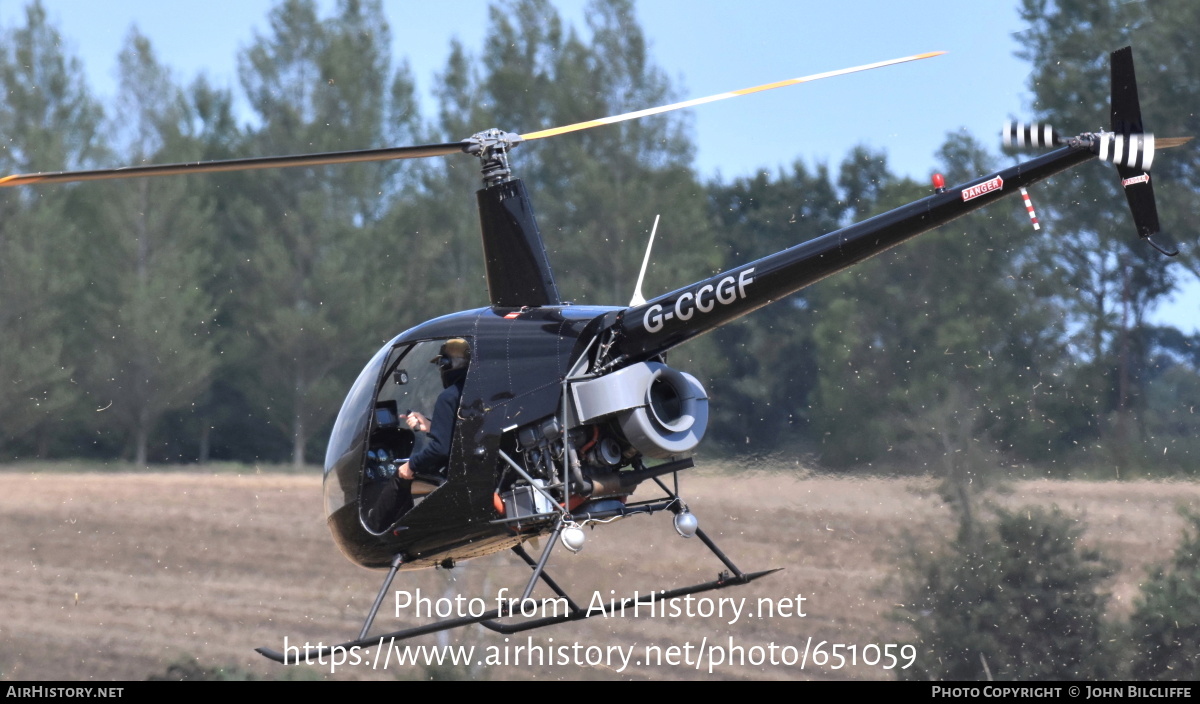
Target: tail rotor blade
{"points": [[1034, 135], [1171, 142]]}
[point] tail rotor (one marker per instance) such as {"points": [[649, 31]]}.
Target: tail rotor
{"points": [[1127, 146]]}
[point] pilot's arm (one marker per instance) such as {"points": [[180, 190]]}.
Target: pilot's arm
{"points": [[436, 452], [417, 422]]}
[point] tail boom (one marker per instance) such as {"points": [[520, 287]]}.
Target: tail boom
{"points": [[671, 319]]}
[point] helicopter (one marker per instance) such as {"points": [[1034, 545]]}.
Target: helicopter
{"points": [[566, 409]]}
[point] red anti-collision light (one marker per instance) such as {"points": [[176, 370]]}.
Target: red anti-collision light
{"points": [[939, 182]]}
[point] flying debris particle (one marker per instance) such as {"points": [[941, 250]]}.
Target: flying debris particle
{"points": [[105, 408]]}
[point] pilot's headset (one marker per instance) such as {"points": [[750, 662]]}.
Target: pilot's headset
{"points": [[454, 354]]}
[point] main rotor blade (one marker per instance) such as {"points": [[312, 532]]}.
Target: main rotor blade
{"points": [[207, 167], [720, 96]]}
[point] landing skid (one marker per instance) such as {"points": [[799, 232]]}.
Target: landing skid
{"points": [[490, 620]]}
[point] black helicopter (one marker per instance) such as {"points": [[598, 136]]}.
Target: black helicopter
{"points": [[566, 409]]}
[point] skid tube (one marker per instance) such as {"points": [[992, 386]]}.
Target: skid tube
{"points": [[310, 655], [729, 578]]}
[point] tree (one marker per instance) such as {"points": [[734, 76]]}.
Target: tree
{"points": [[1019, 601], [158, 352], [307, 306], [1165, 624], [1108, 281], [1172, 396], [603, 187], [770, 379], [50, 122], [927, 350], [435, 267]]}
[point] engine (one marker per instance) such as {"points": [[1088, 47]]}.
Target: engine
{"points": [[646, 410], [662, 412]]}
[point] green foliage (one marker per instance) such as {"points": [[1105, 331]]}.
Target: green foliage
{"points": [[50, 122], [188, 669], [598, 189], [1018, 601], [308, 308], [931, 349], [1105, 280], [770, 369], [1172, 396], [159, 353], [224, 316], [1165, 626]]}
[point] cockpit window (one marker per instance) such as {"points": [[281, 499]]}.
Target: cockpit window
{"points": [[412, 384], [352, 419], [406, 399]]}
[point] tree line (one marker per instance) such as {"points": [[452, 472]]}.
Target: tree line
{"points": [[224, 316]]}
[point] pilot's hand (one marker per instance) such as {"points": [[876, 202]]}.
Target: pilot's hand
{"points": [[405, 471], [417, 422]]}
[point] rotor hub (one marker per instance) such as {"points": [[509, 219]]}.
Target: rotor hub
{"points": [[491, 146]]}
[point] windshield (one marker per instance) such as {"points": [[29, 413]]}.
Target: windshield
{"points": [[349, 432]]}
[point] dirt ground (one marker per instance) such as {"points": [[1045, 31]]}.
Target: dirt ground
{"points": [[116, 576]]}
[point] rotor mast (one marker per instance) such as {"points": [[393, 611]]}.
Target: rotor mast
{"points": [[515, 259]]}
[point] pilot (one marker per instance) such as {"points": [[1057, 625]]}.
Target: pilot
{"points": [[396, 498]]}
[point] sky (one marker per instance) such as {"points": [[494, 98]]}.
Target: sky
{"points": [[705, 47]]}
